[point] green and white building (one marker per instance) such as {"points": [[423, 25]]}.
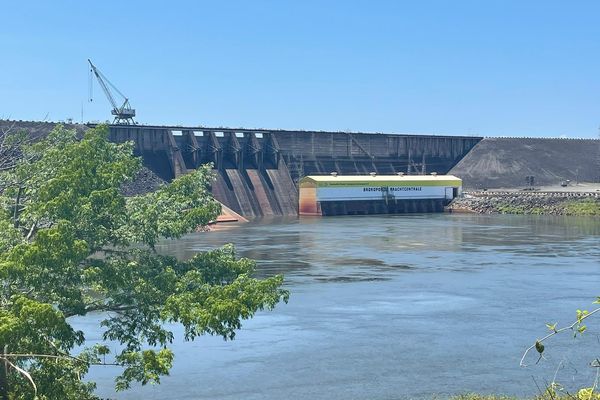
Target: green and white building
{"points": [[376, 194]]}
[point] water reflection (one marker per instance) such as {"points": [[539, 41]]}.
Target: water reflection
{"points": [[370, 245], [395, 307]]}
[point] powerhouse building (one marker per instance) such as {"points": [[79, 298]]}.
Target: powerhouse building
{"points": [[376, 194]]}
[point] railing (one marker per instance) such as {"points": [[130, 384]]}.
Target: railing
{"points": [[481, 193]]}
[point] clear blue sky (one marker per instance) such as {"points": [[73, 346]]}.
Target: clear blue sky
{"points": [[510, 68]]}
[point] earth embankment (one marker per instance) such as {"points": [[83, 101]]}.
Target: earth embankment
{"points": [[506, 162], [37, 129]]}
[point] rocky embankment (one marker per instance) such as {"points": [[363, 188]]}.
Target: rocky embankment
{"points": [[144, 182], [539, 203]]}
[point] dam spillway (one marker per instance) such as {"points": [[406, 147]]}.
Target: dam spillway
{"points": [[258, 170]]}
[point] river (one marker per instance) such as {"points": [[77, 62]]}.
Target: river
{"points": [[394, 307]]}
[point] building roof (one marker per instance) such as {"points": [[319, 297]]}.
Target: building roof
{"points": [[370, 180]]}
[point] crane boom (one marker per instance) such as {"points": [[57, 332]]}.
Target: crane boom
{"points": [[123, 114]]}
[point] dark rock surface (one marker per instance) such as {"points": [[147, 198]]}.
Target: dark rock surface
{"points": [[145, 181], [38, 129]]}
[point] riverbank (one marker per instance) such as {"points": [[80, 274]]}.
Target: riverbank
{"points": [[536, 203], [583, 394]]}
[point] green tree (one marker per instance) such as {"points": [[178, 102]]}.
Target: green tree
{"points": [[72, 244]]}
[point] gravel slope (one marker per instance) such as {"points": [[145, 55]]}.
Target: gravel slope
{"points": [[505, 162]]}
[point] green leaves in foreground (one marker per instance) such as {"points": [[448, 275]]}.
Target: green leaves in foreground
{"points": [[580, 327], [144, 366], [72, 244]]}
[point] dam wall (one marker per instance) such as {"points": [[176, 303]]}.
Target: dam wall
{"points": [[257, 171], [315, 153]]}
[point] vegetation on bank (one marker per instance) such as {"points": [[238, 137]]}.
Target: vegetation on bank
{"points": [[581, 207], [71, 244], [587, 207], [478, 396], [583, 394], [506, 208], [528, 205]]}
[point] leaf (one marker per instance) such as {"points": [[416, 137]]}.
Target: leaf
{"points": [[581, 315], [539, 346], [551, 328], [102, 350]]}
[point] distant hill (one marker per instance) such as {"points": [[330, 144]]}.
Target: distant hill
{"points": [[505, 162]]}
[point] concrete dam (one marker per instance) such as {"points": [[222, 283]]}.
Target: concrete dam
{"points": [[258, 170]]}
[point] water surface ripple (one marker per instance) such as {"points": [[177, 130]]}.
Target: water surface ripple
{"points": [[393, 307]]}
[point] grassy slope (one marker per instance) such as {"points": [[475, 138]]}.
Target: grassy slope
{"points": [[584, 394], [587, 207]]}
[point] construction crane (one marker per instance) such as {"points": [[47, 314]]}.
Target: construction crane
{"points": [[124, 114]]}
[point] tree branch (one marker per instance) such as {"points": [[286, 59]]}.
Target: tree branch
{"points": [[31, 355], [104, 308], [557, 331], [31, 231]]}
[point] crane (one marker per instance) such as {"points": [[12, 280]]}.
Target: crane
{"points": [[124, 114]]}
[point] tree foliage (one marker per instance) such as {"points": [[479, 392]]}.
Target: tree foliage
{"points": [[72, 244]]}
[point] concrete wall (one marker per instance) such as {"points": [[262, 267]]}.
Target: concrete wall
{"points": [[314, 153], [258, 170]]}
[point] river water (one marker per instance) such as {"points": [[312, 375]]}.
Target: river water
{"points": [[394, 307]]}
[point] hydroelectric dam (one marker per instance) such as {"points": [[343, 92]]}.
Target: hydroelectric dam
{"points": [[258, 170]]}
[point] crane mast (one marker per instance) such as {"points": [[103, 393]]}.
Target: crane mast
{"points": [[123, 114]]}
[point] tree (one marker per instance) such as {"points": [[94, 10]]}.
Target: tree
{"points": [[72, 244]]}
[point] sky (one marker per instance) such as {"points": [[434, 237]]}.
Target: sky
{"points": [[456, 67]]}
